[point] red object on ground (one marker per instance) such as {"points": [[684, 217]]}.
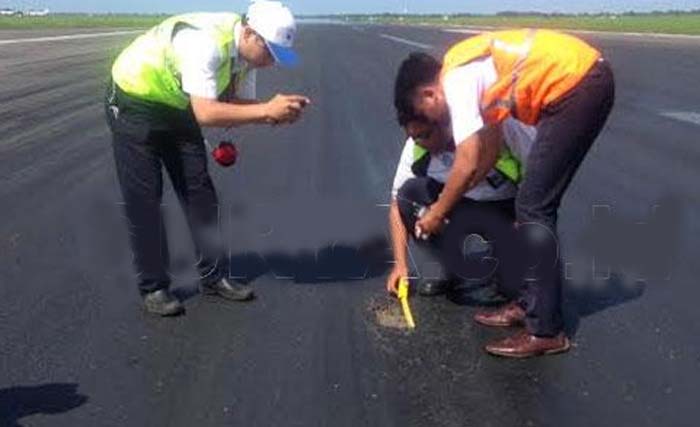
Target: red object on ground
{"points": [[225, 154]]}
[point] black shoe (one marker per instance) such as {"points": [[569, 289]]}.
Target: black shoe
{"points": [[162, 303], [227, 290], [432, 288]]}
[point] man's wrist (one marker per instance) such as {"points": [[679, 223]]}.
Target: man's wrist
{"points": [[264, 112], [439, 209], [401, 266]]}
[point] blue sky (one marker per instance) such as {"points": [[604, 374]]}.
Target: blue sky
{"points": [[357, 6]]}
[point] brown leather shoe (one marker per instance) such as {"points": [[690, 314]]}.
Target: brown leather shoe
{"points": [[510, 314], [523, 344]]}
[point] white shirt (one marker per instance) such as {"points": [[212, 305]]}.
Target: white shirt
{"points": [[518, 137], [200, 60], [463, 88]]}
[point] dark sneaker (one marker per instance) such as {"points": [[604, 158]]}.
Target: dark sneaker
{"points": [[162, 303], [227, 290], [433, 288]]}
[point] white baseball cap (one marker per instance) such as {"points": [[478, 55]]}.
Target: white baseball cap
{"points": [[275, 23]]}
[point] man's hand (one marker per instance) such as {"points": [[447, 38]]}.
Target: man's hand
{"points": [[285, 109], [431, 223], [392, 283], [474, 159]]}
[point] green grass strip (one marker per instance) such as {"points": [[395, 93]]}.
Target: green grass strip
{"points": [[59, 21], [681, 23]]}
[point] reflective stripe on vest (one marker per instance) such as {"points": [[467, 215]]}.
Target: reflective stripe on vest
{"points": [[534, 68], [149, 69], [507, 164]]}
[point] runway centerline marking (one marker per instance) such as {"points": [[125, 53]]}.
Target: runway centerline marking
{"points": [[67, 37], [407, 42], [691, 117]]}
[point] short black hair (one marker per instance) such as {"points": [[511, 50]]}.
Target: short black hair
{"points": [[417, 70]]}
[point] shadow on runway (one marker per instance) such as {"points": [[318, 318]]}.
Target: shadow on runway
{"points": [[585, 301], [49, 399], [625, 247], [580, 301], [331, 264], [647, 248], [337, 263], [622, 245]]}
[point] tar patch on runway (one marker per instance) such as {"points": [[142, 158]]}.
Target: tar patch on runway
{"points": [[433, 366], [388, 314]]}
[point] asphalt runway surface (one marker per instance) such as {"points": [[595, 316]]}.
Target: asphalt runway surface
{"points": [[304, 219]]}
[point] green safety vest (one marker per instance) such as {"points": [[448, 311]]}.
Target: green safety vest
{"points": [[149, 69], [507, 165]]}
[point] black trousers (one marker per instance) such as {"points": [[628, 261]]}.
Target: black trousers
{"points": [[565, 133], [469, 220], [147, 137]]}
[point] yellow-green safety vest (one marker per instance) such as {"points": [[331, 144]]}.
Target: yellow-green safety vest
{"points": [[507, 164], [149, 69]]}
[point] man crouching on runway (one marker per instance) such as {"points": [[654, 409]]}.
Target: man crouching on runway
{"points": [[425, 164]]}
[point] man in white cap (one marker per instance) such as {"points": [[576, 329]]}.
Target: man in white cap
{"points": [[190, 71]]}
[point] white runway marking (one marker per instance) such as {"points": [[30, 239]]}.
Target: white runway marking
{"points": [[683, 116], [68, 37], [464, 31], [407, 42]]}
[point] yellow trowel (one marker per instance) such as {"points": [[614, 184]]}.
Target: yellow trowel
{"points": [[403, 297]]}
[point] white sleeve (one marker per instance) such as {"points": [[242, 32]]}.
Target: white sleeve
{"points": [[403, 170], [247, 89], [463, 88], [200, 60]]}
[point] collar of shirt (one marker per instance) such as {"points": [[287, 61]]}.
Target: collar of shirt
{"points": [[239, 65]]}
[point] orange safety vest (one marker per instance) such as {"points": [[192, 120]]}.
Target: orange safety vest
{"points": [[534, 67]]}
